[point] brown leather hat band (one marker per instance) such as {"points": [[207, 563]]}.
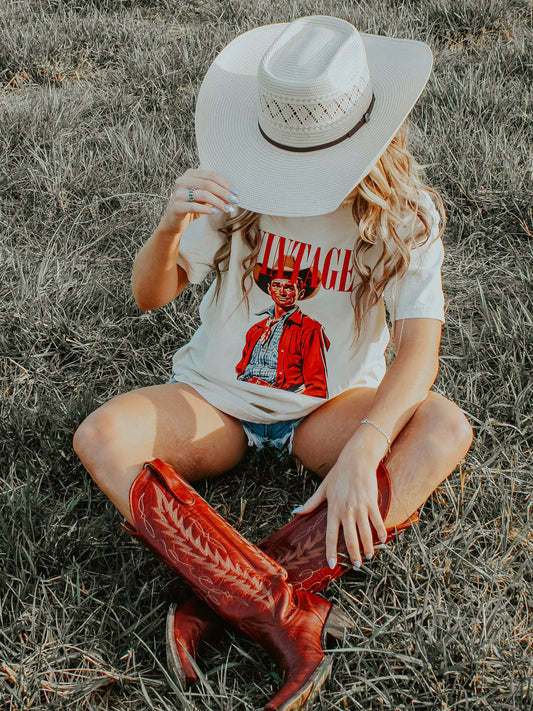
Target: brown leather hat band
{"points": [[306, 149]]}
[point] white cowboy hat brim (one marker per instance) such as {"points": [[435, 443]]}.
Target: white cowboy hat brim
{"points": [[274, 181]]}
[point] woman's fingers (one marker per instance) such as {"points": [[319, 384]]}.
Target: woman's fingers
{"points": [[363, 522], [207, 178], [195, 200], [356, 514], [357, 537], [365, 537], [351, 538], [197, 192], [332, 539], [199, 187], [377, 522], [357, 529]]}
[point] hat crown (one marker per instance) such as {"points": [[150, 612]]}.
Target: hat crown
{"points": [[313, 82]]}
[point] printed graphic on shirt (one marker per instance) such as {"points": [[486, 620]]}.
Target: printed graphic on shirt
{"points": [[332, 268], [286, 349]]}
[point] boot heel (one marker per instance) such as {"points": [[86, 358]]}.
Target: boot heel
{"points": [[305, 694], [336, 623], [240, 583], [173, 658]]}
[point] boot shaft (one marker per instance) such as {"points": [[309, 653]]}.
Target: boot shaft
{"points": [[237, 580], [220, 565], [300, 545]]}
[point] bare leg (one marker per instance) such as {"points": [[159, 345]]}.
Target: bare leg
{"points": [[171, 422], [425, 452]]}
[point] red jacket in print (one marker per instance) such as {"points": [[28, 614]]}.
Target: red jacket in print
{"points": [[301, 355]]}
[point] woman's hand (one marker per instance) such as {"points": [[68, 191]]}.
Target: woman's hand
{"points": [[157, 277], [210, 192], [351, 490]]}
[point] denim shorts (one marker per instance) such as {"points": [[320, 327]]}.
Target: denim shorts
{"points": [[277, 434]]}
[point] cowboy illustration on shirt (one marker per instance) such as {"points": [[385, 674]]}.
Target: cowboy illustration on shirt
{"points": [[287, 348]]}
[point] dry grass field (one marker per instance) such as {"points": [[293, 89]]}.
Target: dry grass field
{"points": [[96, 121]]}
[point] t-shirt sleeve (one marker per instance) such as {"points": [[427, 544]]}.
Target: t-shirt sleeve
{"points": [[198, 246], [418, 293]]}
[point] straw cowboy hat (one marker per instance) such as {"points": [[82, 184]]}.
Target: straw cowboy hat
{"points": [[288, 269], [296, 114]]}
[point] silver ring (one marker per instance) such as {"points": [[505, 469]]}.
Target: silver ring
{"points": [[191, 194]]}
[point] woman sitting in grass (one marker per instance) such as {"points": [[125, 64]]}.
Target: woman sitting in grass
{"points": [[313, 214]]}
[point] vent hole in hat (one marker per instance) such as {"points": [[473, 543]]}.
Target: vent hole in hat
{"points": [[309, 115]]}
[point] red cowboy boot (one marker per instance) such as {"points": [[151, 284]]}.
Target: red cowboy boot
{"points": [[299, 547], [238, 581]]}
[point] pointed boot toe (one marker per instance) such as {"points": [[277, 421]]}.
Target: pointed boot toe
{"points": [[238, 581]]}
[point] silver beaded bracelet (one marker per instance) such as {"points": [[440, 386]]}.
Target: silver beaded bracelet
{"points": [[378, 428]]}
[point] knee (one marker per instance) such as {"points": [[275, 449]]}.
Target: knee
{"points": [[452, 428], [459, 430], [83, 437], [89, 441]]}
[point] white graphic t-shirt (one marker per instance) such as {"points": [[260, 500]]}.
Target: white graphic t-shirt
{"points": [[290, 348]]}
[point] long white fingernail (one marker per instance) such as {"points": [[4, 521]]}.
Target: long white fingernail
{"points": [[357, 564], [331, 563], [384, 539], [297, 509], [231, 209], [215, 210]]}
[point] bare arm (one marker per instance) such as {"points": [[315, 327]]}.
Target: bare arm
{"points": [[157, 278], [410, 376], [350, 486]]}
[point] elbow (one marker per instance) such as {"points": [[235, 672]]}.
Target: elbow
{"points": [[152, 289], [146, 298], [141, 301], [136, 291], [149, 304], [150, 301], [143, 305]]}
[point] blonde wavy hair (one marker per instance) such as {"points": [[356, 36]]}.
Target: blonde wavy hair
{"points": [[391, 216]]}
